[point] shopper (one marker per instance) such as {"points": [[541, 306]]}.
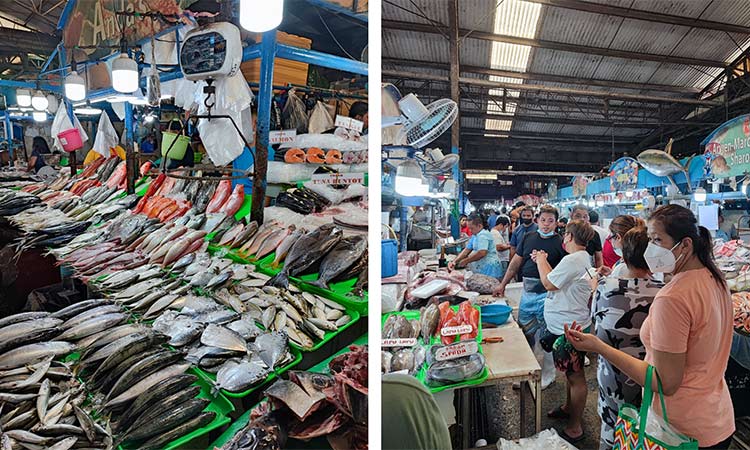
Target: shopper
{"points": [[526, 225], [531, 308], [617, 229], [480, 255], [562, 222], [39, 147], [594, 247], [594, 221], [621, 304], [721, 234], [568, 302], [500, 235], [463, 223], [411, 417], [688, 332], [492, 219]]}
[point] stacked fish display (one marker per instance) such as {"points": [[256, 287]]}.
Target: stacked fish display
{"points": [[311, 405], [129, 377]]}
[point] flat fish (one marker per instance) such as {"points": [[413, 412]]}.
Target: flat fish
{"points": [[221, 337], [271, 347]]}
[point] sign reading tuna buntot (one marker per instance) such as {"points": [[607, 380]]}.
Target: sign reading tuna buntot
{"points": [[338, 178], [399, 342], [728, 148], [282, 136], [457, 350], [454, 331]]}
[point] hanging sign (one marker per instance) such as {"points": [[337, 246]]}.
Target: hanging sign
{"points": [[728, 148], [282, 136], [399, 342], [456, 350], [349, 123], [454, 331], [580, 183], [94, 22], [338, 178], [623, 174], [552, 190]]}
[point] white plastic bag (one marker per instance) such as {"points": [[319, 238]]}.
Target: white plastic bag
{"points": [[106, 136], [221, 139], [545, 440], [294, 114], [337, 196], [61, 123], [320, 119]]}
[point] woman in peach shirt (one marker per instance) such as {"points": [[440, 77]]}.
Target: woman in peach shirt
{"points": [[688, 332]]}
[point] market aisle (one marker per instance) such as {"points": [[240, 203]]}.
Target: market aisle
{"points": [[504, 422]]}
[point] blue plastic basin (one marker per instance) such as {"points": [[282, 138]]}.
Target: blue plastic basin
{"points": [[496, 314]]}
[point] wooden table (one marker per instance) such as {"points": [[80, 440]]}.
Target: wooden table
{"points": [[510, 361]]}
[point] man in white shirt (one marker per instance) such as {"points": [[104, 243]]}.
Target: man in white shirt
{"points": [[500, 235]]}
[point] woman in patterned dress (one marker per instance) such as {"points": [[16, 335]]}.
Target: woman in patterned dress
{"points": [[620, 307]]}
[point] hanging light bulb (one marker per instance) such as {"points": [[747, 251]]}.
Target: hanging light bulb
{"points": [[23, 97], [261, 15], [39, 101], [39, 116], [124, 74], [75, 87]]}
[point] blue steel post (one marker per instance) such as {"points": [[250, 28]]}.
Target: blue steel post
{"points": [[9, 135], [262, 152], [130, 165]]}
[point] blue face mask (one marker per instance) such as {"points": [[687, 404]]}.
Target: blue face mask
{"points": [[546, 235]]}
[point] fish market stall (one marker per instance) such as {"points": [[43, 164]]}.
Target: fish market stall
{"points": [[196, 290]]}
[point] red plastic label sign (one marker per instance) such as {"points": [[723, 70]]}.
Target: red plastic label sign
{"points": [[453, 331], [457, 351], [400, 342]]}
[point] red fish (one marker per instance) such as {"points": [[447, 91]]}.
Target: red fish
{"points": [[220, 196], [118, 176], [235, 201]]}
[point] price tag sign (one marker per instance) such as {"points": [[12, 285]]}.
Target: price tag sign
{"points": [[338, 178], [453, 331], [282, 136], [399, 342], [349, 123], [457, 351]]}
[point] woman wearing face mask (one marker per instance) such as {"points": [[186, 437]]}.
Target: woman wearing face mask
{"points": [[568, 301], [688, 331], [480, 255], [617, 229], [621, 304]]}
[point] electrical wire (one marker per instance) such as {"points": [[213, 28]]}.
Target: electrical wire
{"points": [[334, 37]]}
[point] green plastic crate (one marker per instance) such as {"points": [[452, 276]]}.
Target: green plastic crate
{"points": [[211, 378], [421, 374]]}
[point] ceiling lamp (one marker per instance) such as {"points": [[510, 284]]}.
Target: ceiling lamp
{"points": [[75, 86], [39, 101], [409, 180], [261, 15], [124, 74], [138, 101], [120, 98], [39, 116], [87, 110], [23, 97]]}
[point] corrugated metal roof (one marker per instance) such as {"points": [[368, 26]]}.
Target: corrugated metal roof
{"points": [[728, 11], [472, 15], [589, 29]]}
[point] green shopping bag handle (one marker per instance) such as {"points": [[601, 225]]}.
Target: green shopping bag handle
{"points": [[648, 394]]}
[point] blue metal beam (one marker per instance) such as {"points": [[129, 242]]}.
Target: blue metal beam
{"points": [[265, 94], [65, 15], [24, 84], [9, 135], [321, 59], [338, 9]]}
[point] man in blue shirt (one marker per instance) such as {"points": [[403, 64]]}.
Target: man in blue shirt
{"points": [[527, 225], [492, 220]]}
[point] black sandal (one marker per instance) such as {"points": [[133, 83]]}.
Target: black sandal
{"points": [[558, 413], [572, 440]]}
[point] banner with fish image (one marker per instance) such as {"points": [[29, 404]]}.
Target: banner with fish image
{"points": [[623, 174], [728, 148], [580, 184]]}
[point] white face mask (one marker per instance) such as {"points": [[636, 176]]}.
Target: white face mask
{"points": [[618, 251], [660, 259]]}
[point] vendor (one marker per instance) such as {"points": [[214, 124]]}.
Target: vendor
{"points": [[721, 234], [463, 224], [500, 235], [531, 308], [148, 145], [358, 111], [38, 148], [480, 255]]}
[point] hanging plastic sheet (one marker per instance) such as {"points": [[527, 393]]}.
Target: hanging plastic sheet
{"points": [[61, 123], [294, 115], [320, 119], [106, 136]]}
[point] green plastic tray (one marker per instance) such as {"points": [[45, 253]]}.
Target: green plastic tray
{"points": [[211, 378], [243, 420], [219, 404], [421, 374]]}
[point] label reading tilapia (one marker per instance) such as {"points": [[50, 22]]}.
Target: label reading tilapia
{"points": [[453, 331], [456, 351], [400, 342]]}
